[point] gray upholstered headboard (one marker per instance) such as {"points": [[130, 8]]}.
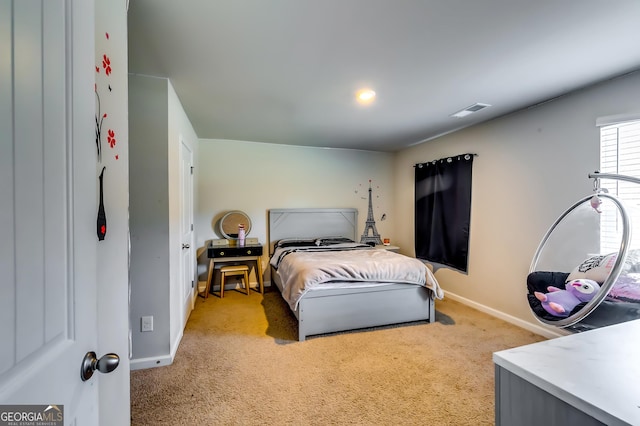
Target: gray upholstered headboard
{"points": [[310, 223]]}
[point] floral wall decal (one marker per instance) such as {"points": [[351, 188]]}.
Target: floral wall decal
{"points": [[99, 119], [101, 222], [106, 64], [111, 138], [104, 70]]}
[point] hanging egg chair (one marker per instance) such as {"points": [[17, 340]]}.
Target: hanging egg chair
{"points": [[582, 277]]}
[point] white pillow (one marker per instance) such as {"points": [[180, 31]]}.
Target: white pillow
{"points": [[595, 268]]}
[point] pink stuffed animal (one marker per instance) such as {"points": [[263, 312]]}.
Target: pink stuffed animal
{"points": [[560, 302], [596, 202]]}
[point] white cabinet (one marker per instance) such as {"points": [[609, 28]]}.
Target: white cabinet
{"points": [[590, 378]]}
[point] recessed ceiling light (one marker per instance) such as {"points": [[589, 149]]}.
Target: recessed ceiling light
{"points": [[470, 110], [365, 96]]}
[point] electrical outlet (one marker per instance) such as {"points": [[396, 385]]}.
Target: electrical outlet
{"points": [[146, 324]]}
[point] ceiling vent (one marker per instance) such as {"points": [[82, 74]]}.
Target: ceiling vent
{"points": [[470, 110]]}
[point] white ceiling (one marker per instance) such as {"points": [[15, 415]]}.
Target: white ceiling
{"points": [[285, 71]]}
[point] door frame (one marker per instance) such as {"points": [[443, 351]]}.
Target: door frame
{"points": [[187, 181]]}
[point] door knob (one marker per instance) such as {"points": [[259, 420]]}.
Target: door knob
{"points": [[91, 363], [186, 246]]}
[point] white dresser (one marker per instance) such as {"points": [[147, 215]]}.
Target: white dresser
{"points": [[589, 378]]}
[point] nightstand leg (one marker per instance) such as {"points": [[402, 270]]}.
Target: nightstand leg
{"points": [[209, 278], [259, 273]]}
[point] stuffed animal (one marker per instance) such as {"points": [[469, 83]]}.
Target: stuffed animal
{"points": [[596, 202], [560, 302]]}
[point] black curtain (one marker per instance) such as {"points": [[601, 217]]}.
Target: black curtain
{"points": [[443, 211]]}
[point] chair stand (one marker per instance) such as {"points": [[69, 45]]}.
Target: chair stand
{"points": [[232, 271]]}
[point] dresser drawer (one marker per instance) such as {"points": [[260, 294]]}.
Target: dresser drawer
{"points": [[221, 252]]}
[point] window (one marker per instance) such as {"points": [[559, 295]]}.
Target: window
{"points": [[620, 154]]}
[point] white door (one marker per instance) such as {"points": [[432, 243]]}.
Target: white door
{"points": [[48, 209], [187, 259]]}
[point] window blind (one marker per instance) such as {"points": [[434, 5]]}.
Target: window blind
{"points": [[620, 153]]}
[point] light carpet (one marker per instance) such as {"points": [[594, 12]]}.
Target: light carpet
{"points": [[239, 363]]}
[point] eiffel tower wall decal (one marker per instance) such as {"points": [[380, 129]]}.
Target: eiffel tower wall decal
{"points": [[370, 235]]}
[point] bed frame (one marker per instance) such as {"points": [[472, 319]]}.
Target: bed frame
{"points": [[326, 311]]}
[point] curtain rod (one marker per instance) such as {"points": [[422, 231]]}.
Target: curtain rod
{"points": [[444, 158]]}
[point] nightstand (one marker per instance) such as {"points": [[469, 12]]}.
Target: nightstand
{"points": [[394, 249], [246, 253]]}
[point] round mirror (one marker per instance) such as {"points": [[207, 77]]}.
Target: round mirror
{"points": [[231, 221]]}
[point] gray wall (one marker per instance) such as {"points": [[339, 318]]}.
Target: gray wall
{"points": [[532, 165], [158, 125], [149, 214], [255, 177]]}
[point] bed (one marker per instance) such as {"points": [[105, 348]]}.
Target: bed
{"points": [[331, 302]]}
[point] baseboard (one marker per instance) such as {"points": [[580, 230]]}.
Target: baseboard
{"points": [[159, 361], [537, 329], [143, 363]]}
